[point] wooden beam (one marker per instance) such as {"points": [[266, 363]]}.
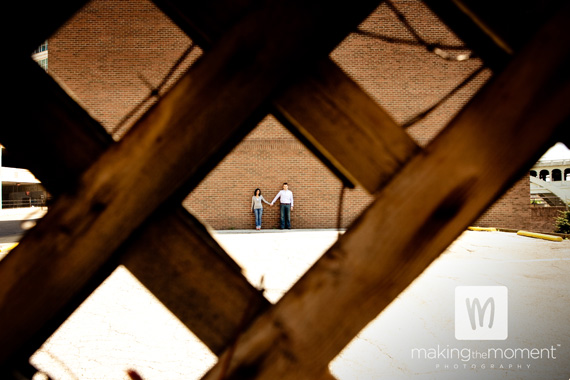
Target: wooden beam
{"points": [[160, 155], [55, 138], [494, 140], [184, 267], [174, 256], [58, 142], [509, 23], [346, 125], [494, 30], [324, 106], [495, 55]]}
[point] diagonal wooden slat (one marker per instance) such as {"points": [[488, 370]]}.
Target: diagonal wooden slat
{"points": [[495, 55], [494, 30], [509, 26], [324, 106], [346, 125], [185, 268], [174, 256], [41, 143], [58, 139], [124, 186], [492, 142], [59, 142]]}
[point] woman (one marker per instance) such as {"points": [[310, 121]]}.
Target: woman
{"points": [[257, 207]]}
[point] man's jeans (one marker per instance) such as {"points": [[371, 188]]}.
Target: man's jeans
{"points": [[285, 216], [258, 213]]}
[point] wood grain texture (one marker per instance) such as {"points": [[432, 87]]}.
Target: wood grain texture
{"points": [[423, 209], [59, 143], [176, 258], [347, 126], [127, 183], [494, 55], [56, 139]]}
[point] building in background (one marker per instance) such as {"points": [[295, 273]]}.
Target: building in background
{"points": [[40, 55], [19, 187]]}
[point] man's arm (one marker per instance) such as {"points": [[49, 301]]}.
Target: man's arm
{"points": [[277, 196]]}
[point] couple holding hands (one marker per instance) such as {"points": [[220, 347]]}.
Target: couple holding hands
{"points": [[285, 197]]}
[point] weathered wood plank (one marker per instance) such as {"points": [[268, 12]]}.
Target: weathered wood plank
{"points": [[160, 155], [325, 106], [56, 138], [494, 140], [184, 267], [346, 125], [495, 55], [510, 26], [59, 142]]}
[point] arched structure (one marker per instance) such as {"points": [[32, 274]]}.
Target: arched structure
{"points": [[552, 183]]}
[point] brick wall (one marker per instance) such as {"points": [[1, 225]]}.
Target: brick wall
{"points": [[402, 76], [269, 156], [113, 52], [512, 210], [543, 219]]}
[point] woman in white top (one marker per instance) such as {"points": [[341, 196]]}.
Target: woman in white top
{"points": [[257, 207]]}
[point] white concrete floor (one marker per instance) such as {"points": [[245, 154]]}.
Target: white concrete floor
{"points": [[123, 326]]}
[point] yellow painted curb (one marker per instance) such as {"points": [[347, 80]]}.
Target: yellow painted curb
{"points": [[539, 236], [482, 229], [8, 247]]}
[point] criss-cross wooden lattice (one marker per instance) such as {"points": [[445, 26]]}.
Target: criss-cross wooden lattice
{"points": [[261, 57]]}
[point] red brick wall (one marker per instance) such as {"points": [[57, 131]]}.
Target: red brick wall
{"points": [[403, 77], [112, 51], [269, 156], [543, 219], [512, 210]]}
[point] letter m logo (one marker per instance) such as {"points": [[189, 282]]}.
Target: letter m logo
{"points": [[481, 313]]}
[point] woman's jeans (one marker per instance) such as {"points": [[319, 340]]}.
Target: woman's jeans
{"points": [[258, 213]]}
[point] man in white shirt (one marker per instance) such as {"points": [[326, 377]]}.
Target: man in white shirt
{"points": [[286, 201]]}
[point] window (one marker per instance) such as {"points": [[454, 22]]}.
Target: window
{"points": [[43, 63], [40, 55]]}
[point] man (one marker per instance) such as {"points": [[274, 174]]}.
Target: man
{"points": [[285, 197]]}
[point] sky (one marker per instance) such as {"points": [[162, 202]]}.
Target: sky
{"points": [[558, 152]]}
